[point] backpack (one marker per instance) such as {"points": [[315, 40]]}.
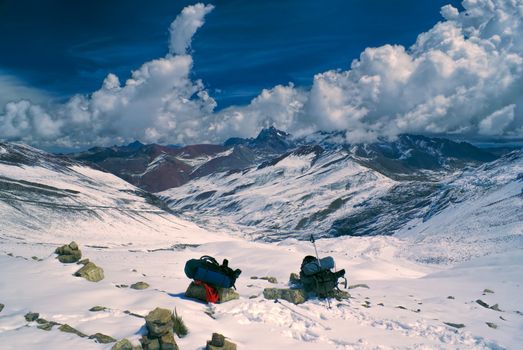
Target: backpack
{"points": [[208, 270], [317, 276]]}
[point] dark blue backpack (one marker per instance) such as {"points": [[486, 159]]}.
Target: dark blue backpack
{"points": [[208, 270]]}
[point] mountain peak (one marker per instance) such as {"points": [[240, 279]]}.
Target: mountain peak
{"points": [[270, 133]]}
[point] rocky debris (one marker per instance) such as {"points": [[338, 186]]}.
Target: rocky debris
{"points": [[338, 294], [197, 291], [34, 258], [495, 307], [90, 272], [68, 329], [401, 307], [454, 325], [31, 316], [361, 285], [97, 308], [219, 342], [160, 336], [295, 296], [294, 279], [122, 344], [482, 303], [139, 285], [45, 325], [270, 279], [179, 327], [127, 312], [1, 307], [451, 297], [486, 290], [102, 338], [82, 262], [492, 325], [254, 277], [68, 253], [122, 286]]}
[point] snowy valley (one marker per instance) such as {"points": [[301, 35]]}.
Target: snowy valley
{"points": [[424, 282]]}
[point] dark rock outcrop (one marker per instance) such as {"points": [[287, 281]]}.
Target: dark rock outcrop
{"points": [[196, 291], [91, 272]]}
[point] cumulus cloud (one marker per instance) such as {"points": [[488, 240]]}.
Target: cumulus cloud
{"points": [[185, 26], [464, 76]]}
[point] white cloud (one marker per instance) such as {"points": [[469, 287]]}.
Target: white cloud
{"points": [[185, 26], [463, 76]]}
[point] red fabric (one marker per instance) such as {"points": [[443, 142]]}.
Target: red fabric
{"points": [[211, 294]]}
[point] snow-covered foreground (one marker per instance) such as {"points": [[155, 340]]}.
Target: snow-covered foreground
{"points": [[46, 201], [407, 303]]}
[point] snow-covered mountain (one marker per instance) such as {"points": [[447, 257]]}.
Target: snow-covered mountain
{"points": [[42, 193], [323, 186]]}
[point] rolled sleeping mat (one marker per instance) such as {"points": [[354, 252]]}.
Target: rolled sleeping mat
{"points": [[313, 267]]}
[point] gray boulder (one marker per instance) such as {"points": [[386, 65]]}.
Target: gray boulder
{"points": [[219, 342], [122, 344], [159, 322], [102, 338], [90, 272], [197, 291], [31, 316], [139, 285], [68, 329], [295, 296]]}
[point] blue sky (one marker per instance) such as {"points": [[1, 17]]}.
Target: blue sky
{"points": [[204, 72], [65, 47]]}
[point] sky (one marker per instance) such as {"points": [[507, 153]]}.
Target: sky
{"points": [[251, 64]]}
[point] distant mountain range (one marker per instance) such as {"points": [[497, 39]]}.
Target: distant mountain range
{"points": [[275, 185]]}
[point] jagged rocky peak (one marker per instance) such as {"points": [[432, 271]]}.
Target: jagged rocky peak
{"points": [[268, 139]]}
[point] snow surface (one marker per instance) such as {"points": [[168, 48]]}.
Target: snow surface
{"points": [[134, 240]]}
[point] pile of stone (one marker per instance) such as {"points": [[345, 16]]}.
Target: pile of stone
{"points": [[68, 253], [160, 335], [219, 342], [197, 291]]}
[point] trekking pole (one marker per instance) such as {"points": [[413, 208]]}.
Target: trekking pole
{"points": [[313, 241]]}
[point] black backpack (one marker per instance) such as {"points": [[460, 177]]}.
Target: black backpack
{"points": [[323, 282], [208, 270]]}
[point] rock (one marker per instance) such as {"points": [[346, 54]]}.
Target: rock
{"points": [[482, 303], [294, 279], [34, 258], [495, 307], [122, 344], [492, 325], [254, 278], [253, 296], [45, 326], [97, 308], [139, 285], [159, 322], [31, 316], [1, 307], [102, 338], [361, 285], [219, 342], [486, 290], [401, 307], [455, 325], [68, 253], [68, 329], [150, 344], [270, 279], [167, 342], [198, 292], [82, 262], [295, 296], [451, 297], [338, 294], [91, 272]]}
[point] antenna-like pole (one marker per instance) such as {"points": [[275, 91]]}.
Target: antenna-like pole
{"points": [[313, 241]]}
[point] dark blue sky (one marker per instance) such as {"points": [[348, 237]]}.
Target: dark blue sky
{"points": [[67, 47]]}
